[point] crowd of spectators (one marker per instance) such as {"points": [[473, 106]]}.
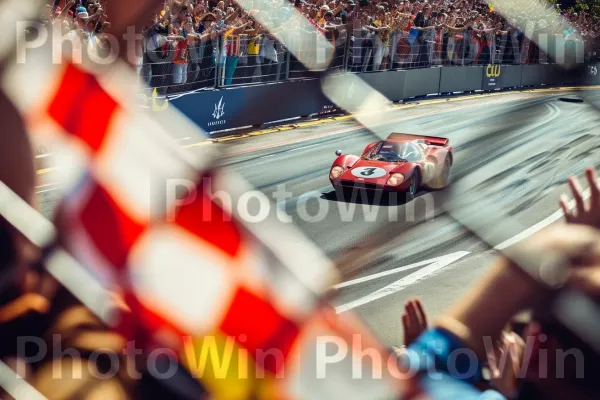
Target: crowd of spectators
{"points": [[83, 22], [193, 44], [186, 38]]}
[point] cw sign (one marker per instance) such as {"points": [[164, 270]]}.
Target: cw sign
{"points": [[493, 71]]}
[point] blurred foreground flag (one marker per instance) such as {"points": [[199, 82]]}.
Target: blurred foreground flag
{"points": [[237, 297]]}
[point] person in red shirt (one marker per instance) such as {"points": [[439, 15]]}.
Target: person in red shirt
{"points": [[182, 52]]}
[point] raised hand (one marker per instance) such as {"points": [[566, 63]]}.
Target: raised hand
{"points": [[414, 321], [584, 213]]}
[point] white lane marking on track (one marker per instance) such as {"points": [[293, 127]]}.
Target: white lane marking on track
{"points": [[385, 273], [47, 190], [45, 185], [287, 151], [405, 282], [301, 148], [48, 187], [539, 226]]}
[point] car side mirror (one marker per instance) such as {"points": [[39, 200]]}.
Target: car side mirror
{"points": [[338, 153]]}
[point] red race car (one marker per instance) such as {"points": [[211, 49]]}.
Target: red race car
{"points": [[402, 163]]}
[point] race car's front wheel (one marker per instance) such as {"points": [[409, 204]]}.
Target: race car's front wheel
{"points": [[414, 186]]}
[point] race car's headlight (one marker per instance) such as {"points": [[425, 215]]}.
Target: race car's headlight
{"points": [[395, 179], [336, 172]]}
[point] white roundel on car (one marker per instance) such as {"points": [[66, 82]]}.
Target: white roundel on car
{"points": [[369, 172]]}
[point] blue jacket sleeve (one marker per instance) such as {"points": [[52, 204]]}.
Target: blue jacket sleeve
{"points": [[447, 368]]}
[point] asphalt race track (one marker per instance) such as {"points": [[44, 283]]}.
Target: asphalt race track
{"points": [[512, 152]]}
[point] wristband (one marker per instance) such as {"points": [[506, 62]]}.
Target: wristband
{"points": [[442, 349], [458, 329]]}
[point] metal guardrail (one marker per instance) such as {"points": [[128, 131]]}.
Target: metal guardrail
{"points": [[249, 60]]}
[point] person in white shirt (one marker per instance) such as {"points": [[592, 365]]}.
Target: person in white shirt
{"points": [[268, 54], [79, 36]]}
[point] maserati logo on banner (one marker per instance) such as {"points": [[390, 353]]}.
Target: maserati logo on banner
{"points": [[219, 109], [218, 113]]}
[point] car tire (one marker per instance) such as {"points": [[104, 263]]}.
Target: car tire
{"points": [[443, 178], [413, 189]]}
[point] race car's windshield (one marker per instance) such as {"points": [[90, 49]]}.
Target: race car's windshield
{"points": [[396, 152]]}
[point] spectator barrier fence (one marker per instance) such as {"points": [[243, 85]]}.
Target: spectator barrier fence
{"points": [[220, 83], [256, 105], [259, 59]]}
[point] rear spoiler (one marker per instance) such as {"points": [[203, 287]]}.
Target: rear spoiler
{"points": [[430, 140]]}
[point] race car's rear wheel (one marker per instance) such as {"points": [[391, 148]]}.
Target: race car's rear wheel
{"points": [[443, 177], [446, 171]]}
